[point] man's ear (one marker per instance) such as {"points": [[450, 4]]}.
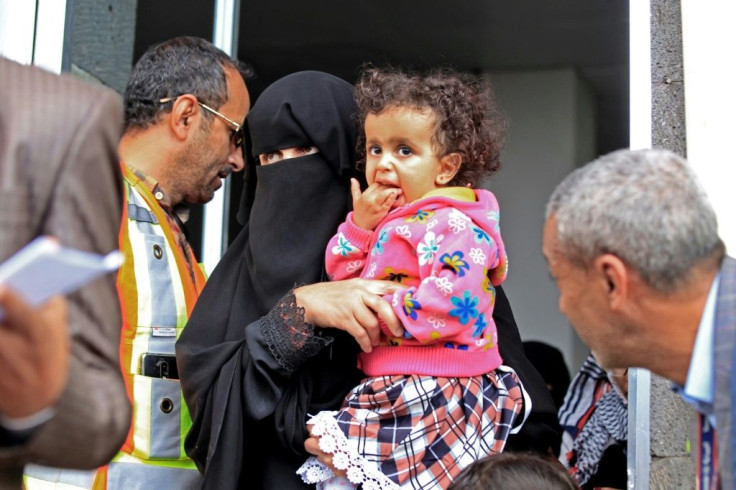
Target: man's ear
{"points": [[614, 279], [184, 112], [449, 166]]}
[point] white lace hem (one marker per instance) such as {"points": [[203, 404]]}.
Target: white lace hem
{"points": [[344, 457]]}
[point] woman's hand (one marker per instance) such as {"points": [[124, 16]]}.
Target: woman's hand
{"points": [[353, 305]]}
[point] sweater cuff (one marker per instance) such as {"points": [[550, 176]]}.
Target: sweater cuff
{"points": [[357, 236]]}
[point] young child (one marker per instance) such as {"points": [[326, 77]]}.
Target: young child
{"points": [[439, 398]]}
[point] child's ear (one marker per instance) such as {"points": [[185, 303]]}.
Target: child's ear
{"points": [[449, 166]]}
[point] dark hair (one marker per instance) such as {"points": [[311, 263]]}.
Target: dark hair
{"points": [[467, 119], [183, 65], [509, 471]]}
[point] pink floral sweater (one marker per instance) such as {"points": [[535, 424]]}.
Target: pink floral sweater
{"points": [[445, 249]]}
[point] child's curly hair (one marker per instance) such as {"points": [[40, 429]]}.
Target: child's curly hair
{"points": [[467, 119]]}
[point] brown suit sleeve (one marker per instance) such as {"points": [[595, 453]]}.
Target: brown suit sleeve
{"points": [[93, 414], [64, 173]]}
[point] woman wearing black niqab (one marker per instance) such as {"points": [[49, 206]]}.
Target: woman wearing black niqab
{"points": [[251, 365]]}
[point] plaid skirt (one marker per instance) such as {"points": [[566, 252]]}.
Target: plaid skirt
{"points": [[417, 432]]}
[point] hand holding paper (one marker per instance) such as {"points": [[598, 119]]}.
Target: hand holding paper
{"points": [[34, 337]]}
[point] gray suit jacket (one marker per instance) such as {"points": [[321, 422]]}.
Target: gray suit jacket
{"points": [[59, 175], [725, 362]]}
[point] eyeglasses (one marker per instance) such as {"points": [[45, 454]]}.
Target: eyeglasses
{"points": [[237, 134]]}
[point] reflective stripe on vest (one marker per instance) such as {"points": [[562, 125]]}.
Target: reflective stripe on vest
{"points": [[127, 472], [44, 478]]}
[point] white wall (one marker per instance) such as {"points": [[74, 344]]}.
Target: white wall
{"points": [[551, 114], [709, 42], [17, 21], [33, 32]]}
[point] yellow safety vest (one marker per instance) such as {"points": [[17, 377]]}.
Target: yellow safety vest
{"points": [[157, 295]]}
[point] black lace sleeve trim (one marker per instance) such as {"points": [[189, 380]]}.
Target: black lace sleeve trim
{"points": [[290, 339]]}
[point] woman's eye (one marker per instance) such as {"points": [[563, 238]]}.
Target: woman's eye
{"points": [[307, 150], [266, 158], [374, 150], [404, 151]]}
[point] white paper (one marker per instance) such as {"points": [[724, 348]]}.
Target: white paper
{"points": [[44, 268]]}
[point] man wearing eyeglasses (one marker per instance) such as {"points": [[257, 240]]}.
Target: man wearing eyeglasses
{"points": [[184, 103]]}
